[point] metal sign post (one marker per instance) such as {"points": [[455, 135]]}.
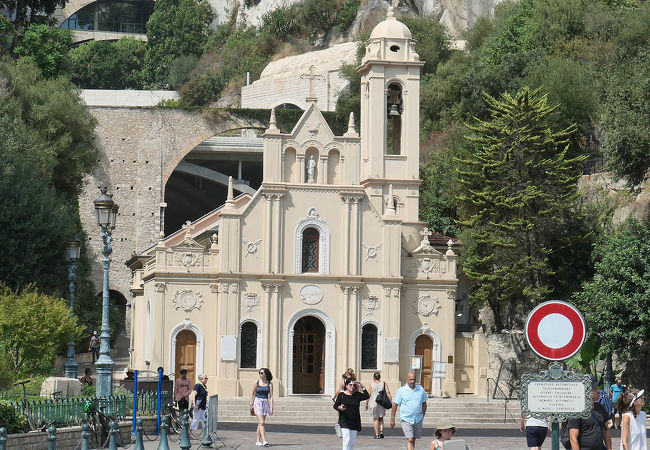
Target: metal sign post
{"points": [[556, 395], [555, 330]]}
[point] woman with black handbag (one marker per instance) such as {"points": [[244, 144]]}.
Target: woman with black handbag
{"points": [[380, 399]]}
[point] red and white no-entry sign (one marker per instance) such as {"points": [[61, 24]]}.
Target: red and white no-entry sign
{"points": [[555, 330]]}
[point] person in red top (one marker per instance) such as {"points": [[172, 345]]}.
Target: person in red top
{"points": [[182, 390]]}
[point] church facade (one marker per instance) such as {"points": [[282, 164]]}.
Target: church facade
{"points": [[325, 267]]}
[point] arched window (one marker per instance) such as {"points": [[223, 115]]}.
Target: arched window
{"points": [[394, 119], [248, 342], [369, 346], [310, 239]]}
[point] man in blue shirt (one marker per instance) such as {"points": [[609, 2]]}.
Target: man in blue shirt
{"points": [[412, 400]]}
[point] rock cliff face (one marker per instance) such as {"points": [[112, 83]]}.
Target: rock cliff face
{"points": [[456, 15]]}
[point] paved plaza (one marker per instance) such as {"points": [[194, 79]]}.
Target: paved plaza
{"points": [[294, 437]]}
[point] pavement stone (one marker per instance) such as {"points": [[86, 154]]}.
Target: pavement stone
{"points": [[297, 437]]}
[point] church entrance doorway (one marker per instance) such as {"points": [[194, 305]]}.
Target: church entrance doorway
{"points": [[309, 356], [424, 347], [186, 354]]}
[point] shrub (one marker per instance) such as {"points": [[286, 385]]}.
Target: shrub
{"points": [[202, 90], [318, 16], [347, 14], [283, 21], [10, 419], [108, 65], [47, 47], [179, 71]]}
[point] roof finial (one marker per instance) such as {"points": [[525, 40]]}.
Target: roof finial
{"points": [[351, 124], [273, 126], [390, 13], [391, 201], [231, 198]]}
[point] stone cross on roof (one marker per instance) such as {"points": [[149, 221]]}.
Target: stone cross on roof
{"points": [[311, 76]]}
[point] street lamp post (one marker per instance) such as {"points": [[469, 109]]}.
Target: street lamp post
{"points": [[72, 251], [106, 215]]}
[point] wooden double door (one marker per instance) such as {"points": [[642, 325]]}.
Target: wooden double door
{"points": [[309, 356]]}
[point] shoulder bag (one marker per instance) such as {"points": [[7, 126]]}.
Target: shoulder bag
{"points": [[382, 399]]}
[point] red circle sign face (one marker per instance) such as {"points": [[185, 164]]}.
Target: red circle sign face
{"points": [[555, 330]]}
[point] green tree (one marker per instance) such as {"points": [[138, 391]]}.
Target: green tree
{"points": [[318, 16], [108, 65], [518, 189], [438, 205], [624, 117], [46, 149], [176, 28], [616, 303], [33, 326], [26, 12], [45, 123], [431, 41], [36, 222], [47, 47]]}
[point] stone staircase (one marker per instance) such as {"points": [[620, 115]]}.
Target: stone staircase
{"points": [[119, 354], [317, 410]]}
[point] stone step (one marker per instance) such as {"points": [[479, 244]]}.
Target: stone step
{"points": [[315, 410]]}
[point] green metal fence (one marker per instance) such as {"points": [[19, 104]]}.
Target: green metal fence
{"points": [[69, 412], [148, 402]]}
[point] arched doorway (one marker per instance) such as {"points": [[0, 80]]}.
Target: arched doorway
{"points": [[309, 356], [424, 347], [186, 354]]}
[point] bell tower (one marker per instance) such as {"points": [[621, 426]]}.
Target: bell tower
{"points": [[390, 116]]}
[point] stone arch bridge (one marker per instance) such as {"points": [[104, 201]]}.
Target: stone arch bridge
{"points": [[139, 148]]}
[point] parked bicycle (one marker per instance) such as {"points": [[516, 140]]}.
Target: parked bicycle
{"points": [[99, 424], [176, 421]]}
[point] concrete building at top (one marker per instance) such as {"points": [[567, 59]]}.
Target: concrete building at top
{"points": [[324, 267]]}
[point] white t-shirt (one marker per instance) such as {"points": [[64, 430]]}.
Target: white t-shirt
{"points": [[533, 422]]}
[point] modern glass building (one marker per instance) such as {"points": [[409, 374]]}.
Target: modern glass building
{"points": [[110, 15]]}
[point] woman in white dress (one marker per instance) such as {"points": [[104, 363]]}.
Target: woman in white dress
{"points": [[378, 412], [633, 420]]}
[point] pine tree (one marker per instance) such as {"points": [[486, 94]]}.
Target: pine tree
{"points": [[518, 190]]}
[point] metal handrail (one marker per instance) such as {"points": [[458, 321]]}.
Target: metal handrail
{"points": [[506, 399]]}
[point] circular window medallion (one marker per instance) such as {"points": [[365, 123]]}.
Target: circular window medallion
{"points": [[311, 294]]}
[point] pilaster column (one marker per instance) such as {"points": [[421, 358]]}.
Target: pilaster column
{"points": [[345, 321], [346, 236], [266, 326], [277, 213], [322, 170], [273, 329], [277, 335], [354, 242], [302, 176], [353, 326], [268, 215]]}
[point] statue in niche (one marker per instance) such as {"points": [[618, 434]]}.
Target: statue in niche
{"points": [[311, 166]]}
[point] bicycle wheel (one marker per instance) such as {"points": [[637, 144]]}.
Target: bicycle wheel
{"points": [[104, 425], [175, 422], [95, 432]]}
